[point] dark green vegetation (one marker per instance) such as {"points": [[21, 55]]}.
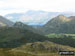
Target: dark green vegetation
{"points": [[64, 39], [21, 42], [13, 37], [59, 24], [16, 41], [27, 27]]}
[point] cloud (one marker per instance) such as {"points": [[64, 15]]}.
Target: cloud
{"points": [[46, 5]]}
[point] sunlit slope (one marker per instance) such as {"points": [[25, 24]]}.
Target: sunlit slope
{"points": [[45, 48]]}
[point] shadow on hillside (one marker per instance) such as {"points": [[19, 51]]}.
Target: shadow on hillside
{"points": [[22, 41], [69, 41]]}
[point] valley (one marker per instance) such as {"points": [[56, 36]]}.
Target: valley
{"points": [[19, 39]]}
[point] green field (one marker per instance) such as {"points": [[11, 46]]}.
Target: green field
{"points": [[60, 35]]}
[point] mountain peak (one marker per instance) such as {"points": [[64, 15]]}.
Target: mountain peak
{"points": [[19, 24], [63, 18], [60, 16]]}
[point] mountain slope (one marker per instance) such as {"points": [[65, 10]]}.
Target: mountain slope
{"points": [[5, 22], [59, 24], [35, 49], [42, 48], [27, 27], [14, 37]]}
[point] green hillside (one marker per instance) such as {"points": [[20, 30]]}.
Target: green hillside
{"points": [[13, 37], [20, 42], [59, 24], [27, 27]]}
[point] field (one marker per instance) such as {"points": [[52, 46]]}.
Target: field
{"points": [[60, 35]]}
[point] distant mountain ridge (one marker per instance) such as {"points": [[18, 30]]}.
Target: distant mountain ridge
{"points": [[14, 16], [33, 17]]}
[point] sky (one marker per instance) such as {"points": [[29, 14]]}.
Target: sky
{"points": [[18, 6]]}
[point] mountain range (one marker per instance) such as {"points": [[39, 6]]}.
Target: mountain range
{"points": [[33, 17], [58, 24]]}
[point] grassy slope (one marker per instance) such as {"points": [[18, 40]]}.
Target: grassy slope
{"points": [[28, 50]]}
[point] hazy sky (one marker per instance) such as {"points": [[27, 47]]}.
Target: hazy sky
{"points": [[16, 6]]}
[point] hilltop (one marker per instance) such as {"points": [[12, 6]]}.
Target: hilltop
{"points": [[59, 24]]}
